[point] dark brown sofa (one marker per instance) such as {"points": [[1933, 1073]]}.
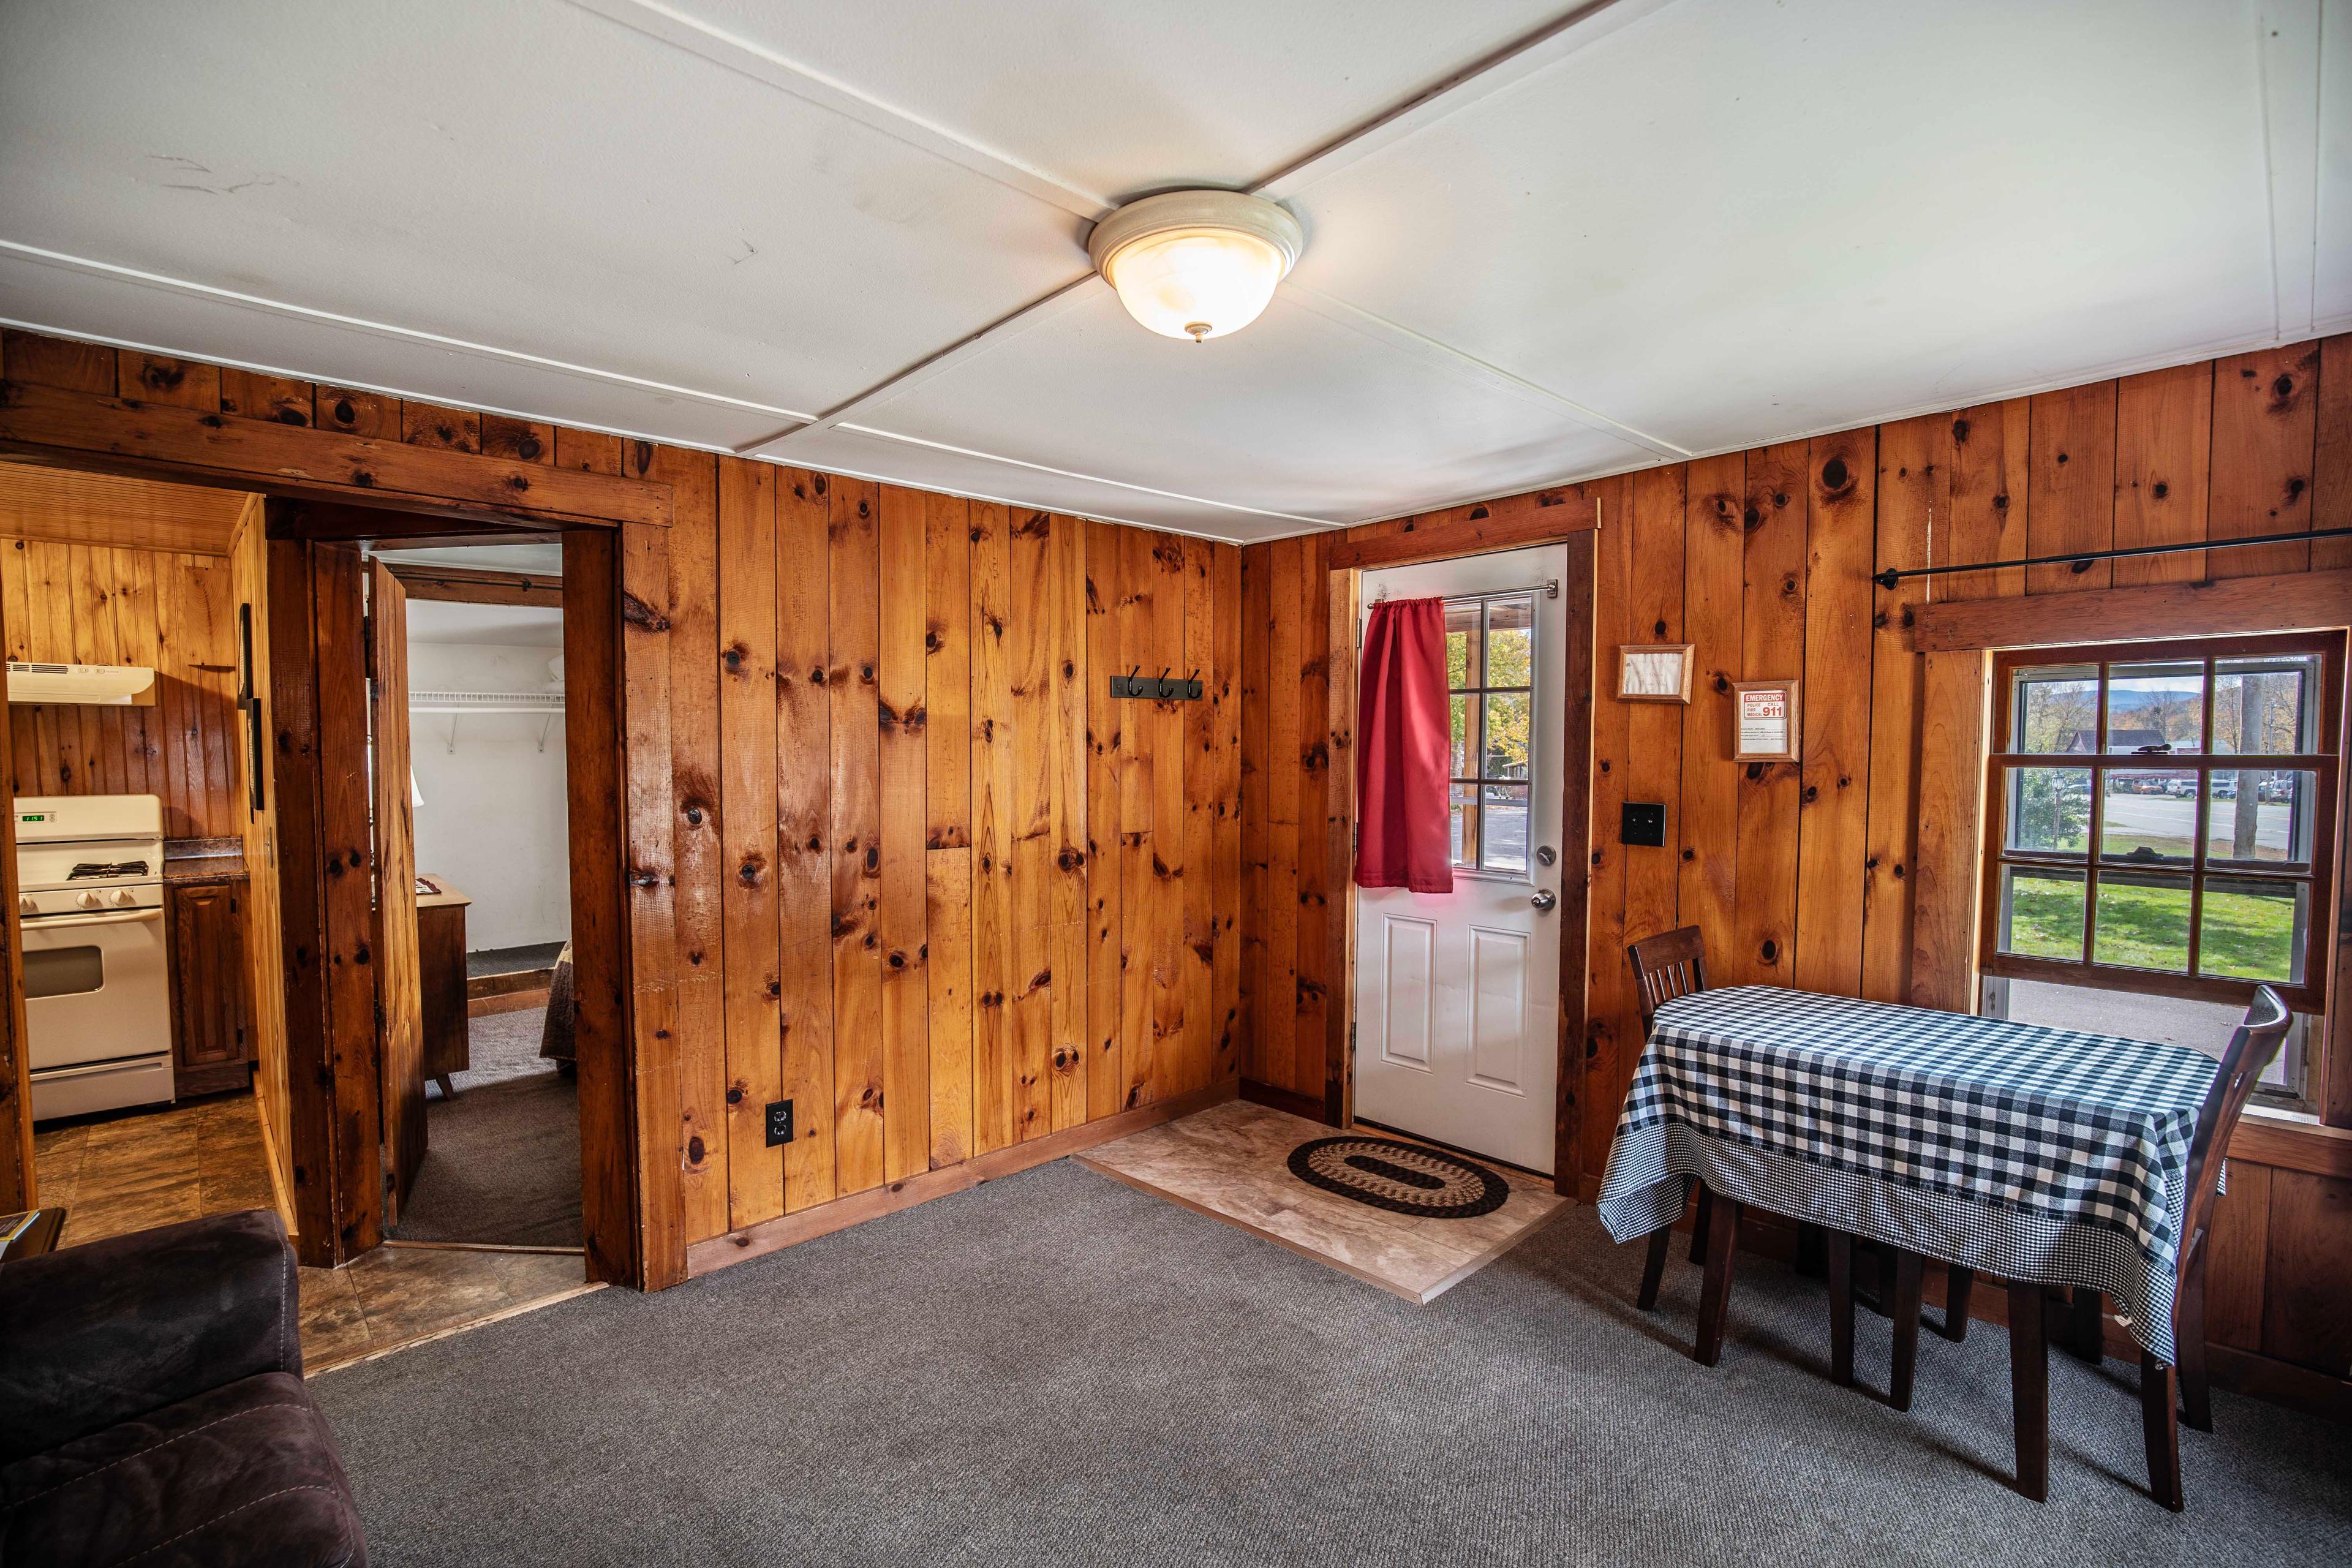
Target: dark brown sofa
{"points": [[152, 1406]]}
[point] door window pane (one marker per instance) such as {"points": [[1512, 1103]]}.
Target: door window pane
{"points": [[2041, 914], [2142, 920], [2156, 708], [1509, 736], [2252, 929], [2148, 816], [1466, 740], [2261, 815], [1511, 642], [2050, 810], [1505, 828], [2264, 705], [2054, 709], [1462, 658]]}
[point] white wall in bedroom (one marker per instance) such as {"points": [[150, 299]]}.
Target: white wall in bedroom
{"points": [[492, 820]]}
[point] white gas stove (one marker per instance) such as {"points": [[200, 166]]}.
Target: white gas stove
{"points": [[97, 1009]]}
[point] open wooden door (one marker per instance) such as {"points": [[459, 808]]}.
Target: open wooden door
{"points": [[399, 998], [17, 1184]]}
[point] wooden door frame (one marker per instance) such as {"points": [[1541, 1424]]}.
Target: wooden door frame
{"points": [[325, 853], [1343, 588], [332, 1098]]}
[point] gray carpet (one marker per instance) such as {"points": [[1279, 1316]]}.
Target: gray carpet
{"points": [[502, 1159], [1055, 1368]]}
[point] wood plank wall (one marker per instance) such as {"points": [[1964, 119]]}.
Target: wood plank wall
{"points": [[95, 605], [1806, 874], [891, 851], [932, 885]]}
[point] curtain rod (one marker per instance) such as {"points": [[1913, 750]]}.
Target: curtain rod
{"points": [[2081, 559]]}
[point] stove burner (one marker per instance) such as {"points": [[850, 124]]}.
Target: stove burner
{"points": [[107, 868]]}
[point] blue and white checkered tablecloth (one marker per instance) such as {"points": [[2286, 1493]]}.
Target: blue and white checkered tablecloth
{"points": [[2030, 1154]]}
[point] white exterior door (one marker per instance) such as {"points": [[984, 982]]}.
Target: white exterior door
{"points": [[1458, 994]]}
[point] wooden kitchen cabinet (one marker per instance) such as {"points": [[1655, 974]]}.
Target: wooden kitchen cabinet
{"points": [[212, 1033]]}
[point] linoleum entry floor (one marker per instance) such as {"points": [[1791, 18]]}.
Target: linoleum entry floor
{"points": [[1230, 1162], [400, 1296]]}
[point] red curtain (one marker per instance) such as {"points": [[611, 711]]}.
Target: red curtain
{"points": [[1403, 741]]}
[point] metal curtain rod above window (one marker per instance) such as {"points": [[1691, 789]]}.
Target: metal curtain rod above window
{"points": [[1549, 588], [2079, 560]]}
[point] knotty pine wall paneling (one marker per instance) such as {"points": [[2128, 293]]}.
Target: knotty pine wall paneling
{"points": [[1854, 870]]}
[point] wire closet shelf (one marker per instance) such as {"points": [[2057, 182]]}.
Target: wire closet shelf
{"points": [[453, 705]]}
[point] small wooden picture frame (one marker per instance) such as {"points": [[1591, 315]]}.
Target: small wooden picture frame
{"points": [[1766, 721], [1653, 672]]}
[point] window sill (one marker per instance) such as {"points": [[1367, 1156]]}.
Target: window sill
{"points": [[2293, 1141]]}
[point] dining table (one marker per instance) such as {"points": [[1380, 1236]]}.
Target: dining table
{"points": [[2030, 1154]]}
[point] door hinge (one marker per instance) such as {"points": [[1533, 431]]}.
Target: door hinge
{"points": [[367, 642]]}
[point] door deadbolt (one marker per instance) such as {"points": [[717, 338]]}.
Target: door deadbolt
{"points": [[1544, 899], [1546, 854]]}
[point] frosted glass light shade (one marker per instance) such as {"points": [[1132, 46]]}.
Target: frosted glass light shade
{"points": [[1196, 264]]}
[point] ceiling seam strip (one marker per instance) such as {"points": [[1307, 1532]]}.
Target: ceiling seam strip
{"points": [[1024, 505], [1380, 326], [1090, 478], [668, 25], [355, 384], [408, 334]]}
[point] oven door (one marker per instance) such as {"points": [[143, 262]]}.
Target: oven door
{"points": [[95, 988]]}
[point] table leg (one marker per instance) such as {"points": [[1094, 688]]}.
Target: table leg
{"points": [[2159, 1409], [1654, 1267], [1957, 1284], [1714, 1290], [1904, 1312], [1699, 1224], [2029, 1388], [1838, 1246]]}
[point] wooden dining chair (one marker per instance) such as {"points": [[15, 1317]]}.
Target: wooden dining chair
{"points": [[2167, 1394], [1665, 967]]}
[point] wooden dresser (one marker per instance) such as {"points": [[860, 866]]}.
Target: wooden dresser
{"points": [[441, 964]]}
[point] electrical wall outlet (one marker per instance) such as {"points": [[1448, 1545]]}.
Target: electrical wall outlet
{"points": [[779, 1123]]}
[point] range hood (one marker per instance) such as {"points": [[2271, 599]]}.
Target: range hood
{"points": [[113, 684]]}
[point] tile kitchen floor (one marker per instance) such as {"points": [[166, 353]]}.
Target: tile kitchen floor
{"points": [[206, 1157]]}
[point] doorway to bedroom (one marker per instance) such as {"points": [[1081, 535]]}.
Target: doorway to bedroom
{"points": [[482, 699]]}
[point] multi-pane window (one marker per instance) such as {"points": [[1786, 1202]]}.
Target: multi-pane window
{"points": [[1490, 667], [2161, 816]]}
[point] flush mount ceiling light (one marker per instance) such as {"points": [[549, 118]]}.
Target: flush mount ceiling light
{"points": [[1196, 264]]}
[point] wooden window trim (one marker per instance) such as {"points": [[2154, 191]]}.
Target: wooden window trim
{"points": [[2319, 873]]}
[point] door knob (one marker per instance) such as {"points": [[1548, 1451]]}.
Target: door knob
{"points": [[1544, 899]]}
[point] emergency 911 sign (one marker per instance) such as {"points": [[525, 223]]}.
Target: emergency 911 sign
{"points": [[1765, 721]]}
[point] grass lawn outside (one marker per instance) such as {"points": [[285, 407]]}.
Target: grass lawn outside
{"points": [[2248, 936]]}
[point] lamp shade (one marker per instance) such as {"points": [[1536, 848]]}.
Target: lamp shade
{"points": [[1196, 264]]}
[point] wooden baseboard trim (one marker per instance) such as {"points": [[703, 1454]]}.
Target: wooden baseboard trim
{"points": [[504, 1002], [773, 1235], [2280, 1382], [1307, 1105]]}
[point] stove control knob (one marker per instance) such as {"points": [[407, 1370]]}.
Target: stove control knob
{"points": [[125, 899], [90, 901], [28, 905]]}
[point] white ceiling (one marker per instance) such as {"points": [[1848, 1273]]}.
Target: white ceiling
{"points": [[1543, 244]]}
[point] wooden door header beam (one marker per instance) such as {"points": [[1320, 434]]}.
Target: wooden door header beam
{"points": [[1546, 517], [193, 446], [2291, 602]]}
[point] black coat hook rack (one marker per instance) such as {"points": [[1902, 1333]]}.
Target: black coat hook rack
{"points": [[1135, 686]]}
